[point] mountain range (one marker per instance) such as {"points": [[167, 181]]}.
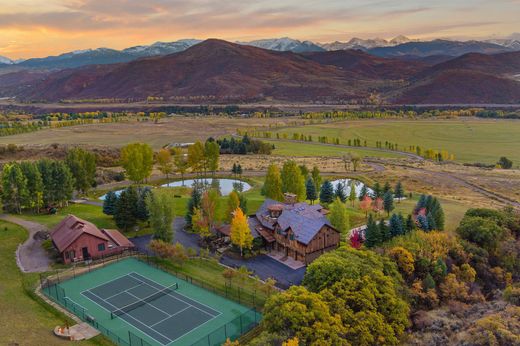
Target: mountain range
{"points": [[400, 47], [223, 72]]}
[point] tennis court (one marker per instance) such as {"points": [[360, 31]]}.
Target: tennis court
{"points": [[136, 304]]}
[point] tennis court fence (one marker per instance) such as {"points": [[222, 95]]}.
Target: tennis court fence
{"points": [[233, 330], [58, 295]]}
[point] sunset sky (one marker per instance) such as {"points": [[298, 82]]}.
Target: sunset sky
{"points": [[35, 28]]}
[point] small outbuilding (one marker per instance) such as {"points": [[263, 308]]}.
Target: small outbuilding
{"points": [[79, 240]]}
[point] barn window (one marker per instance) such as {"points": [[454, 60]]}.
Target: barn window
{"points": [[101, 247]]}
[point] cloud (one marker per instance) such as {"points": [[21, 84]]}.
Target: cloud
{"points": [[75, 24]]}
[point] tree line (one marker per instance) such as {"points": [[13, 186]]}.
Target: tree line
{"points": [[47, 183]]}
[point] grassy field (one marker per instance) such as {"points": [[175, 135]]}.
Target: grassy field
{"points": [[315, 149], [177, 130], [88, 212], [24, 320], [470, 140]]}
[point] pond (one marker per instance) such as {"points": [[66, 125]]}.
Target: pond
{"points": [[358, 185], [225, 186]]}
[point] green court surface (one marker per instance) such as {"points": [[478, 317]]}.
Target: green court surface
{"points": [[134, 303]]}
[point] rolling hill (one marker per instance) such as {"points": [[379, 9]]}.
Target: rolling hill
{"points": [[219, 71], [471, 78], [212, 70]]}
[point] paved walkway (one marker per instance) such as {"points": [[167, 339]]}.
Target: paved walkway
{"points": [[30, 256]]}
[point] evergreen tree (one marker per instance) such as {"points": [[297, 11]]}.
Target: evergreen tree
{"points": [[384, 230], [410, 224], [327, 192], [396, 226], [378, 192], [125, 211], [109, 204], [431, 222], [428, 282], [437, 214], [372, 233], [421, 203], [243, 203], [363, 192], [387, 188], [340, 192], [273, 183], [193, 204], [293, 180], [388, 202], [399, 191], [352, 193], [142, 211], [423, 222], [310, 188]]}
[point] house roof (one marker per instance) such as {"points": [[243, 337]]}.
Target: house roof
{"points": [[70, 229], [117, 238], [303, 219]]}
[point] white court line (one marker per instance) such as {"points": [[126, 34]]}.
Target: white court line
{"points": [[133, 326], [147, 303], [117, 278], [125, 291], [177, 292], [164, 319]]}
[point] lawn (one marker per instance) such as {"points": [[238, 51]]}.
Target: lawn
{"points": [[470, 140], [88, 212], [315, 149], [24, 319]]}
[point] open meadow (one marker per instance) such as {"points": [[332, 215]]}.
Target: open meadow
{"points": [[177, 129], [470, 140]]}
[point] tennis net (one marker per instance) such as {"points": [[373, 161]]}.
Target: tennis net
{"points": [[132, 306]]}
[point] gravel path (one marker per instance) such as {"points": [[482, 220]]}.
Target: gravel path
{"points": [[30, 256]]}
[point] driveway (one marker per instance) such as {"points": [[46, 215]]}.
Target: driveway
{"points": [[266, 267], [188, 240], [30, 256]]}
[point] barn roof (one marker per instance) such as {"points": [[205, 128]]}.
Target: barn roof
{"points": [[117, 238], [71, 228]]}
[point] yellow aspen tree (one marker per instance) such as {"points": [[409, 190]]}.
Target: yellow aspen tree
{"points": [[240, 232]]}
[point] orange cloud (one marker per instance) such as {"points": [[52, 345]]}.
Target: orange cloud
{"points": [[31, 28]]}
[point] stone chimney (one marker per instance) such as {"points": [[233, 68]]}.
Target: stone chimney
{"points": [[289, 198]]}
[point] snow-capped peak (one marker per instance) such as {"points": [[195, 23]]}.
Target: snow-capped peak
{"points": [[4, 60], [284, 44]]}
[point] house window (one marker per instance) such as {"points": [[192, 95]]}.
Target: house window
{"points": [[101, 247], [70, 254], [291, 236]]}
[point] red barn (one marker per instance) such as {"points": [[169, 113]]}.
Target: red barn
{"points": [[79, 240]]}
